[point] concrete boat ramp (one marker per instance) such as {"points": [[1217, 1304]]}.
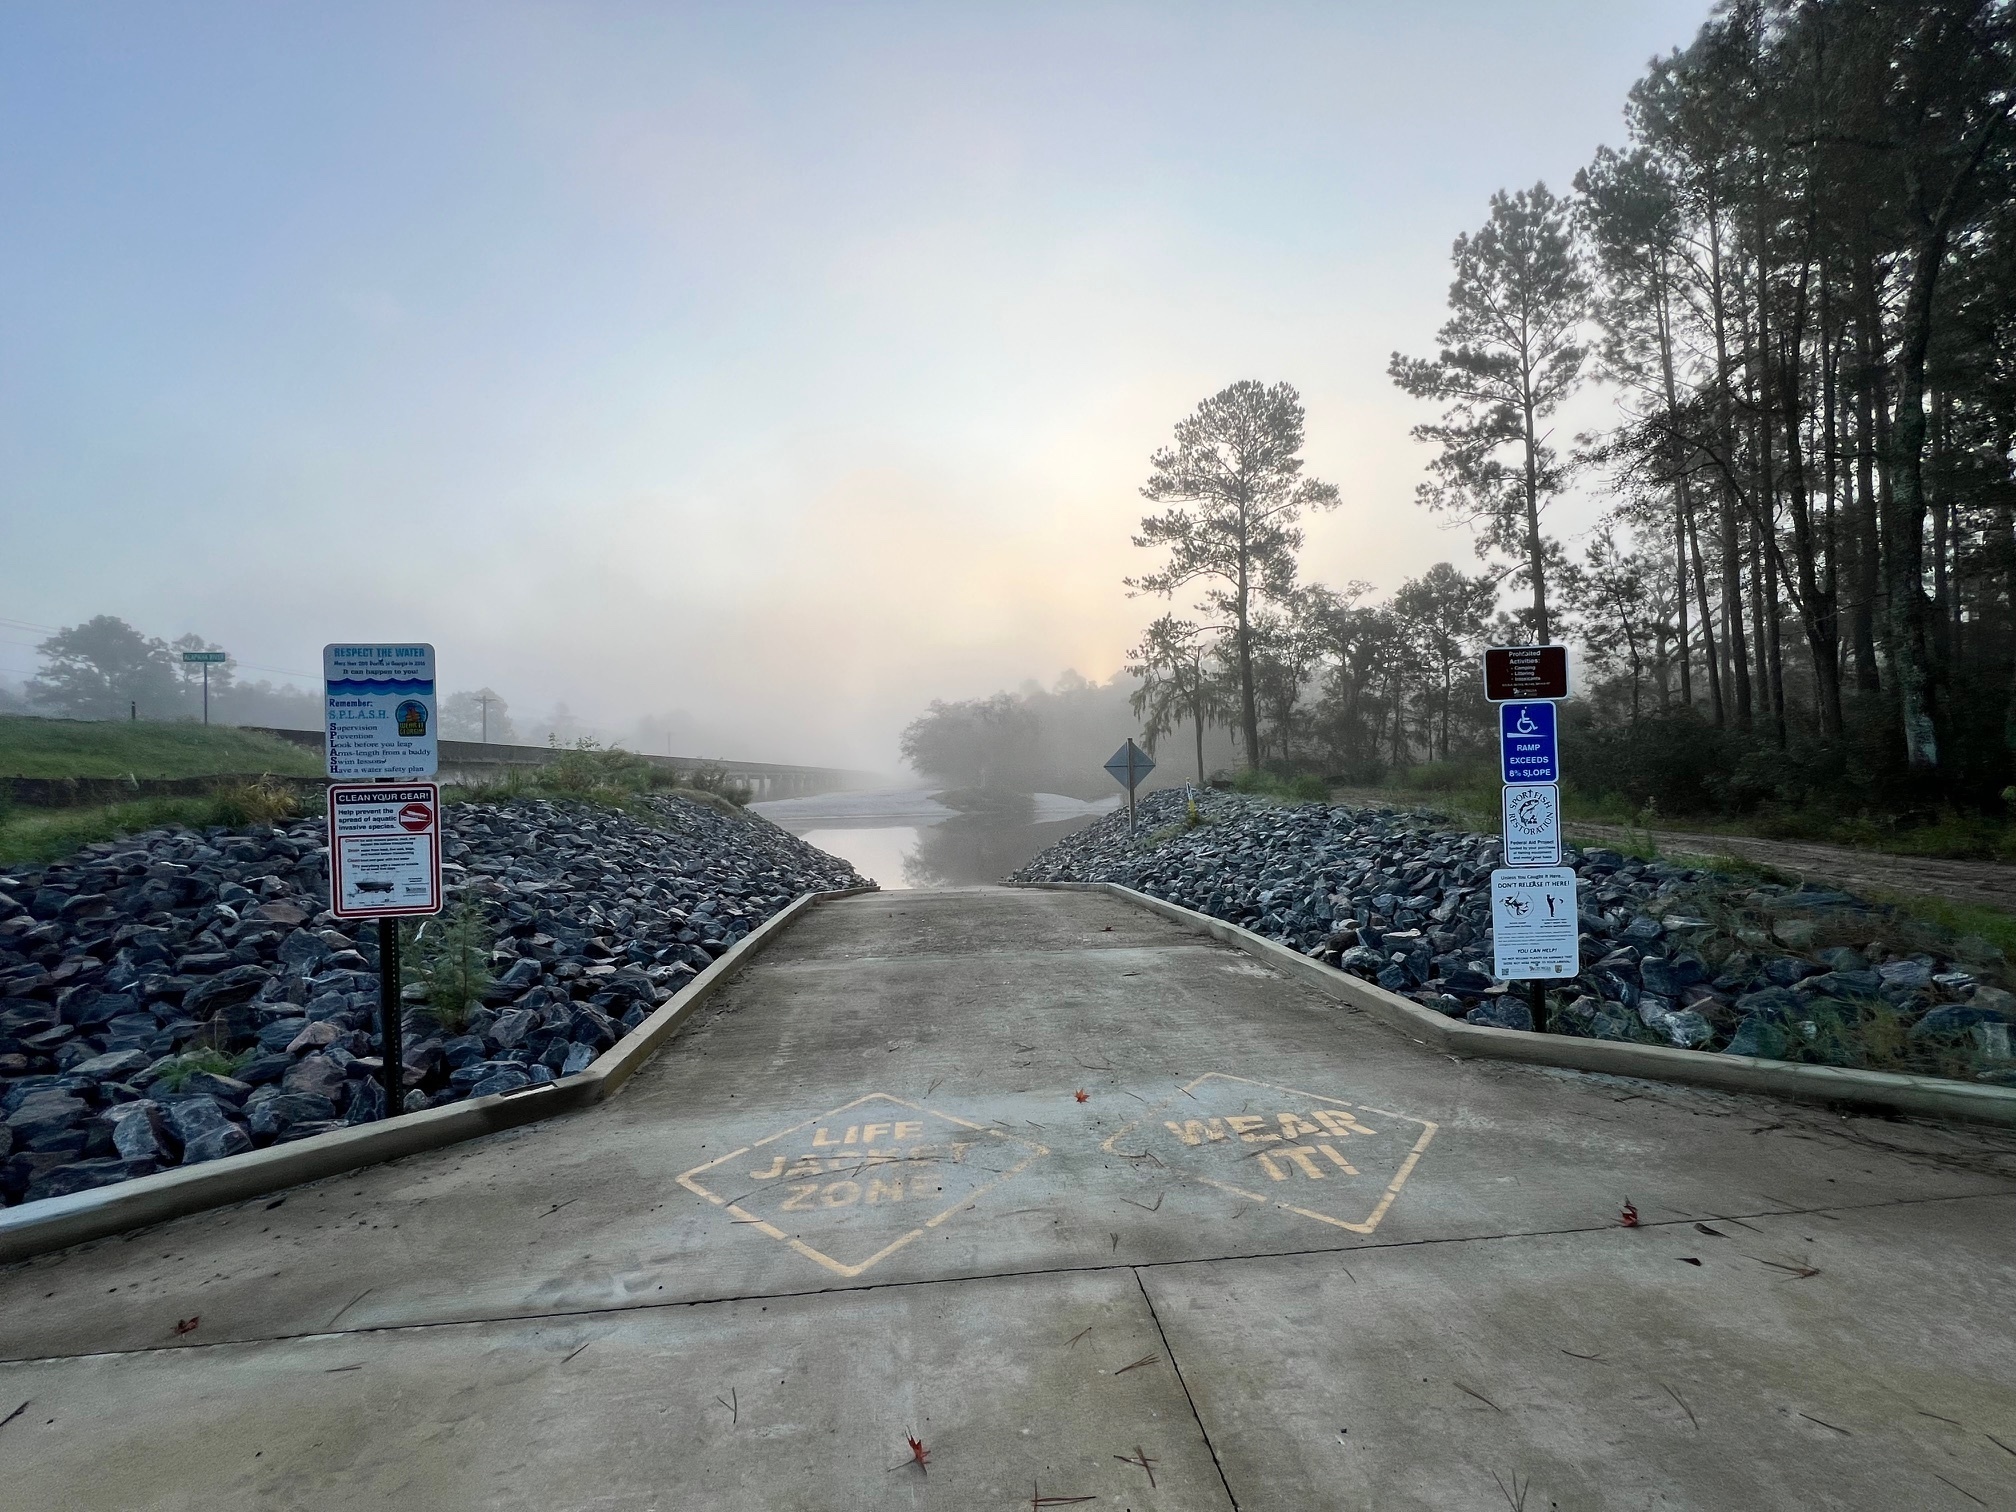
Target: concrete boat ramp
{"points": [[1103, 1214]]}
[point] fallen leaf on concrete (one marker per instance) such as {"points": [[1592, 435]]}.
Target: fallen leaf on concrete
{"points": [[918, 1452], [1148, 1359], [1140, 1458], [1688, 1260], [1036, 1496], [1713, 1233], [1082, 1095], [1799, 1272], [1072, 1343], [1480, 1397], [187, 1325], [1683, 1406], [1962, 1490], [1629, 1217]]}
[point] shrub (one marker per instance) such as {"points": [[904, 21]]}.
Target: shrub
{"points": [[449, 956]]}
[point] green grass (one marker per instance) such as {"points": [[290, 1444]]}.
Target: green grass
{"points": [[33, 837], [1305, 788], [77, 748]]}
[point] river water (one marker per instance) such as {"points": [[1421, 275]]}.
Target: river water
{"points": [[904, 837]]}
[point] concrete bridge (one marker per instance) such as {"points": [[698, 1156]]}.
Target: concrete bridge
{"points": [[1091, 1209], [465, 763]]}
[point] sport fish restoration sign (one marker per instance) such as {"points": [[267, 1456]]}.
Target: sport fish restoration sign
{"points": [[379, 711], [384, 849]]}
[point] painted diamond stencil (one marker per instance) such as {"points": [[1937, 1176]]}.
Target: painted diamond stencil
{"points": [[1318, 1157], [851, 1187]]}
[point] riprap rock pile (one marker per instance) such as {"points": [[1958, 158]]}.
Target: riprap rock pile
{"points": [[118, 962]]}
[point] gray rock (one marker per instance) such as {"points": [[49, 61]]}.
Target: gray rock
{"points": [[1905, 975], [215, 1144], [270, 1116], [140, 1131], [316, 1076], [1758, 1036], [1502, 1013], [45, 1113], [1687, 1029], [1956, 1017], [501, 1079], [367, 1103], [579, 1058], [308, 1130], [119, 1065]]}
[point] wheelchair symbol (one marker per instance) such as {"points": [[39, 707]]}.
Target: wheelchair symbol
{"points": [[1525, 725]]}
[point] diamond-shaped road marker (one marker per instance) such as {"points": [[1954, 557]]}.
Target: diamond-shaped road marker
{"points": [[1130, 764], [1319, 1157], [849, 1188]]}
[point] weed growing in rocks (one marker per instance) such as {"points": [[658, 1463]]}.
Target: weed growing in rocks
{"points": [[449, 961]]}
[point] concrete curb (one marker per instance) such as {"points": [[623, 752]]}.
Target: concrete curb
{"points": [[1876, 1091], [35, 1228]]}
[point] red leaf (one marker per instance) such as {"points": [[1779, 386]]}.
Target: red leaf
{"points": [[187, 1325], [1082, 1095], [1629, 1217], [917, 1451]]}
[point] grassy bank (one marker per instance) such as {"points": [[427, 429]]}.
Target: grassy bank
{"points": [[1464, 796], [31, 836], [79, 748]]}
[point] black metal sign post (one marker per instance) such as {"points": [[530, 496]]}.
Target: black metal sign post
{"points": [[390, 1034], [1129, 765], [1527, 674]]}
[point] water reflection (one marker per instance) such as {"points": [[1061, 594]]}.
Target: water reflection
{"points": [[906, 838]]}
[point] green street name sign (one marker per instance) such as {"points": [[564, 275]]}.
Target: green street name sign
{"points": [[203, 656]]}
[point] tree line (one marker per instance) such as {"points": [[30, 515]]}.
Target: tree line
{"points": [[1798, 277]]}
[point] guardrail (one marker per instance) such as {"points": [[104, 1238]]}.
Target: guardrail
{"points": [[464, 763]]}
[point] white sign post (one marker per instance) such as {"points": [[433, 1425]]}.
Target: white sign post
{"points": [[1534, 932], [1532, 827], [379, 706]]}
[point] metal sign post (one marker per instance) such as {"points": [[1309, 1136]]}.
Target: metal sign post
{"points": [[384, 834], [207, 659], [1534, 920], [385, 864], [1129, 765]]}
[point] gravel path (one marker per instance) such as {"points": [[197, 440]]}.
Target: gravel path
{"points": [[1986, 882]]}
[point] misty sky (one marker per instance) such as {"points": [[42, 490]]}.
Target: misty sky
{"points": [[787, 366]]}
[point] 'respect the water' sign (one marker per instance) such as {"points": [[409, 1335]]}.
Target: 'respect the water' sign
{"points": [[379, 706]]}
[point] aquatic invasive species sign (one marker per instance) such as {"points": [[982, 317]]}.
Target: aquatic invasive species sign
{"points": [[384, 849], [1533, 924], [379, 706]]}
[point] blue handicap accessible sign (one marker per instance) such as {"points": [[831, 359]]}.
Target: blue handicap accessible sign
{"points": [[1526, 742]]}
